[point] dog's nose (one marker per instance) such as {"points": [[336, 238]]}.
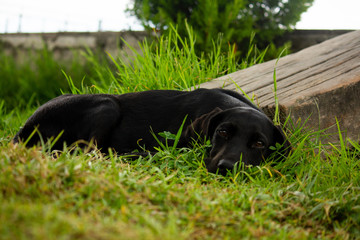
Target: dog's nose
{"points": [[225, 164]]}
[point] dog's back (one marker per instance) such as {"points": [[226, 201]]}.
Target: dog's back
{"points": [[118, 121]]}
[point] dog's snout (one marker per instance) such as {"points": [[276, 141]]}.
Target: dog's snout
{"points": [[225, 164]]}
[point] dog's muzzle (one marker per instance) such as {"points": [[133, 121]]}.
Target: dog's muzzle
{"points": [[225, 164]]}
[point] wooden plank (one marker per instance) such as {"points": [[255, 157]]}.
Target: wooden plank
{"points": [[322, 81]]}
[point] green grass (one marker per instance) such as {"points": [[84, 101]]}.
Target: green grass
{"points": [[314, 194], [36, 77], [168, 62], [89, 195]]}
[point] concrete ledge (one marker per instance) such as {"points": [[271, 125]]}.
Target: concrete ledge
{"points": [[321, 83]]}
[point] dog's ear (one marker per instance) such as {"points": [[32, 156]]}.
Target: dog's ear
{"points": [[280, 138], [200, 126], [214, 121]]}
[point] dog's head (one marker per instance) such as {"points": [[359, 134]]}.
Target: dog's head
{"points": [[239, 133]]}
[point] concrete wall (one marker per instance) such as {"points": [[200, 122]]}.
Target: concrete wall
{"points": [[64, 43], [305, 38]]}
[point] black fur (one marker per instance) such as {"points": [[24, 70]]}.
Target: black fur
{"points": [[237, 129]]}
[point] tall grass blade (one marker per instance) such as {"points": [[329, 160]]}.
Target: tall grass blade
{"points": [[276, 99]]}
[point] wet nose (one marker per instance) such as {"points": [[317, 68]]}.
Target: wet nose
{"points": [[225, 164]]}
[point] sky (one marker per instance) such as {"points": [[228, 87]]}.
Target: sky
{"points": [[109, 15]]}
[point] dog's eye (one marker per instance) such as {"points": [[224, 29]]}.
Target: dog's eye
{"points": [[223, 133], [258, 144]]}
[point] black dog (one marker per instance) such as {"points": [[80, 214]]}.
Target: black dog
{"points": [[236, 128]]}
